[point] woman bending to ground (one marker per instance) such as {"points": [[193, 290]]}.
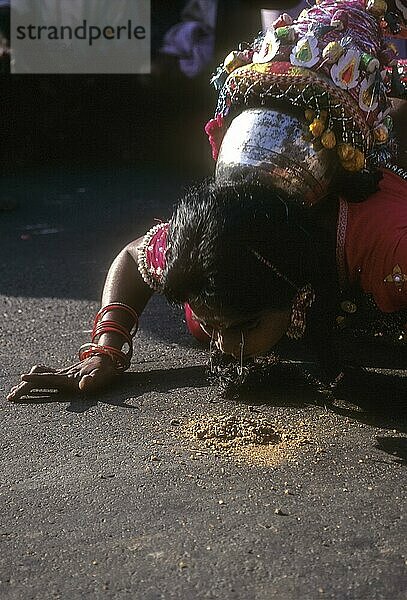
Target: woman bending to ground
{"points": [[251, 269]]}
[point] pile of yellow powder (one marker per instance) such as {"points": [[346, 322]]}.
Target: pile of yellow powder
{"points": [[250, 439]]}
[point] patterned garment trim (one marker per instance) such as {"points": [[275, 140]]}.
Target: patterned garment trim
{"points": [[396, 169], [151, 275], [340, 242]]}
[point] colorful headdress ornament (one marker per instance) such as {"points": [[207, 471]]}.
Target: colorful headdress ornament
{"points": [[335, 64]]}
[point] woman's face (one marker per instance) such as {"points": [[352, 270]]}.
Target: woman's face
{"points": [[258, 333]]}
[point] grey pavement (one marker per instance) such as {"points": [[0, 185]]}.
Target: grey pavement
{"points": [[109, 497]]}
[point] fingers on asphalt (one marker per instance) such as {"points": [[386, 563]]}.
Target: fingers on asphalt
{"points": [[37, 370], [41, 369], [19, 390], [43, 377], [48, 380], [12, 393]]}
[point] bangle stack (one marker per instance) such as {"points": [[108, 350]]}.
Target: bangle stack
{"points": [[120, 357]]}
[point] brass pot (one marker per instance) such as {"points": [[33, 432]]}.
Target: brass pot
{"points": [[275, 148]]}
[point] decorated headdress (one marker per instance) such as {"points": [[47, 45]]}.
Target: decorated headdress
{"points": [[335, 64]]}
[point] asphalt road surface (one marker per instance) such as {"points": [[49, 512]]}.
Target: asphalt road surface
{"points": [[112, 497]]}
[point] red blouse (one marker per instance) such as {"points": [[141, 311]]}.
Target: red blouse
{"points": [[372, 244]]}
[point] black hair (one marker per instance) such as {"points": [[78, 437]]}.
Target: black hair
{"points": [[222, 235], [216, 237], [355, 187]]}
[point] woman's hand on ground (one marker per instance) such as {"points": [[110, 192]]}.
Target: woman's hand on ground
{"points": [[89, 375]]}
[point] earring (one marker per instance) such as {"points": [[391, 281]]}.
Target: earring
{"points": [[302, 301]]}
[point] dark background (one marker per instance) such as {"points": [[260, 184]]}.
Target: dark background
{"points": [[122, 120]]}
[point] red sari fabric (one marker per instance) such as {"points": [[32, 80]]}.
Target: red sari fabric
{"points": [[194, 327], [375, 248]]}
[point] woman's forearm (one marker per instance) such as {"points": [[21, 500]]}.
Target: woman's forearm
{"points": [[124, 282], [124, 285]]}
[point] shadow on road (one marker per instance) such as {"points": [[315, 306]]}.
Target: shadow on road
{"points": [[363, 398], [374, 399], [395, 446], [130, 387]]}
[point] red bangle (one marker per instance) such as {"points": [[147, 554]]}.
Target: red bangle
{"points": [[119, 306], [106, 326], [102, 331], [120, 359]]}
